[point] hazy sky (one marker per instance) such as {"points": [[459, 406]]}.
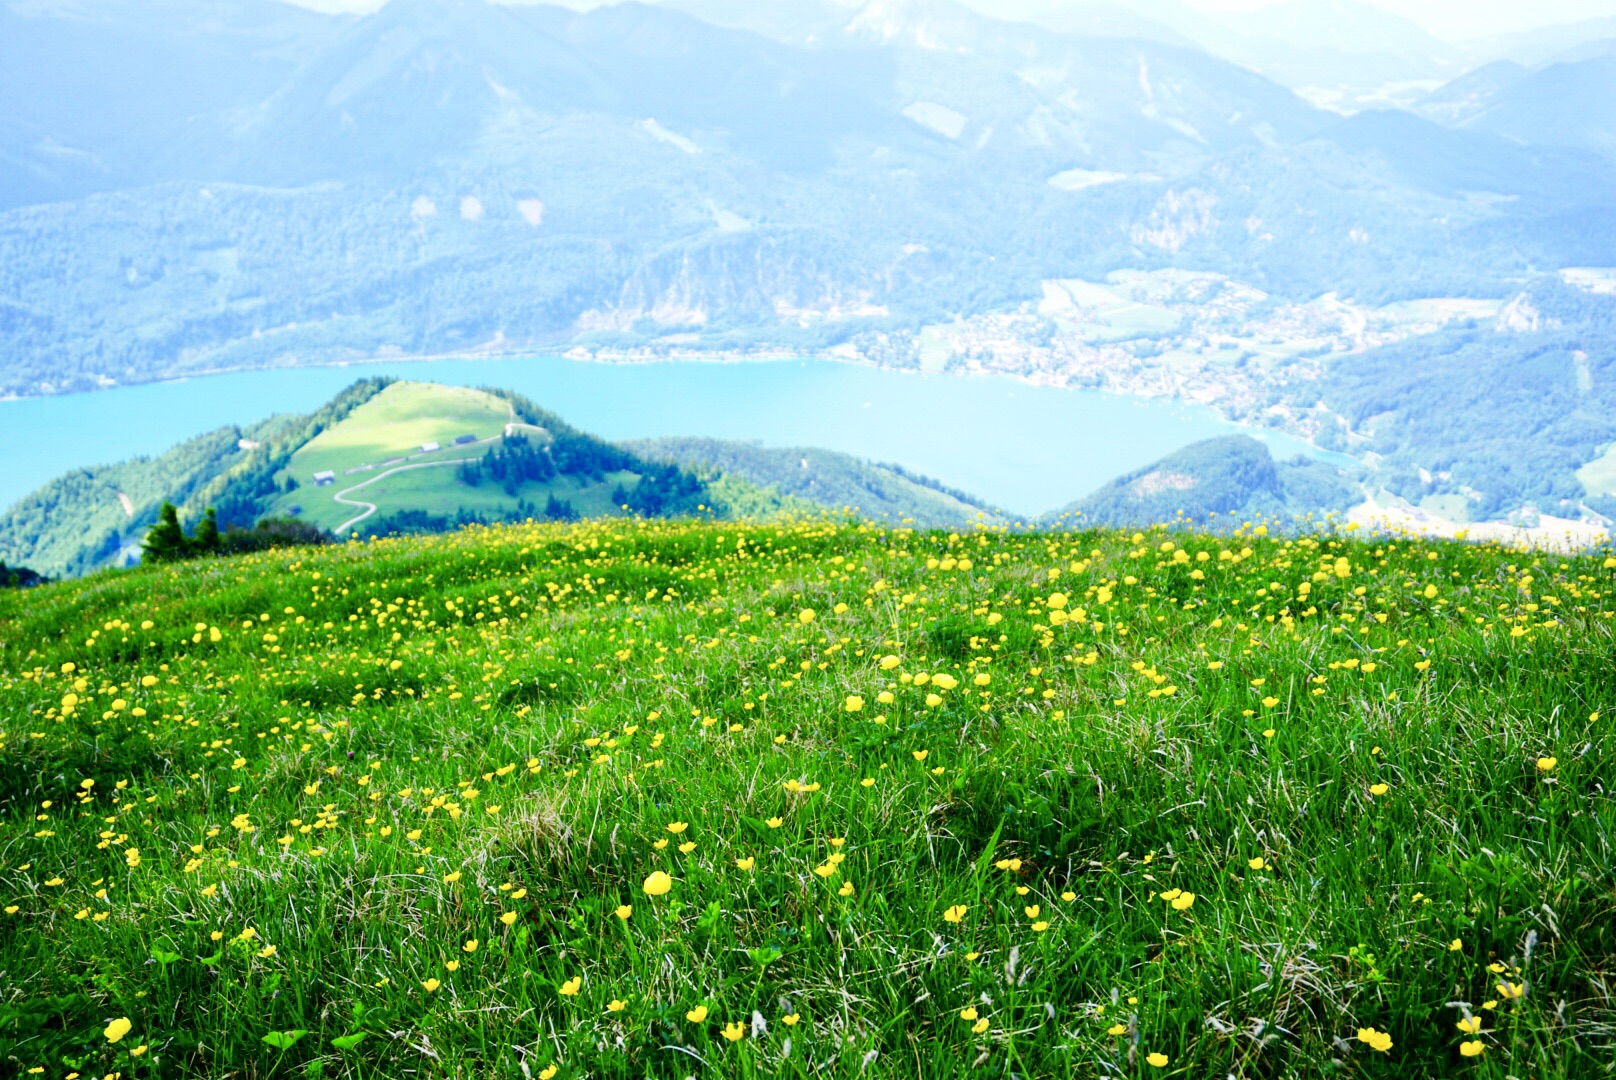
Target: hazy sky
{"points": [[1460, 19], [1455, 20]]}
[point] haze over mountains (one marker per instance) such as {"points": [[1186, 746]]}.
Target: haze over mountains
{"points": [[188, 187]]}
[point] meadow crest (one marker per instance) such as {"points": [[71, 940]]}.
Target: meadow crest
{"points": [[670, 799]]}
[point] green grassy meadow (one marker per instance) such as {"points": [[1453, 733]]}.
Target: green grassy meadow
{"points": [[669, 799], [392, 427], [396, 423]]}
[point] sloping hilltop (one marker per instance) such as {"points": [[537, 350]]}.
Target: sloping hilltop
{"points": [[385, 457], [646, 798]]}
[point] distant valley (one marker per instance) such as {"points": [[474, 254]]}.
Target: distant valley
{"points": [[1142, 205]]}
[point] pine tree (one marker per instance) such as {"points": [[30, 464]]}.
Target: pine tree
{"points": [[207, 532], [166, 540]]}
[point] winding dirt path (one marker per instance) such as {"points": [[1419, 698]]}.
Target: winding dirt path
{"points": [[370, 507]]}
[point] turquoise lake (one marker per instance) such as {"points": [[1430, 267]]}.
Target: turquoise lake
{"points": [[1025, 448]]}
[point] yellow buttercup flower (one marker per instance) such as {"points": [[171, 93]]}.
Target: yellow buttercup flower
{"points": [[117, 1029], [734, 1032], [657, 884], [955, 913], [1377, 1040], [1471, 1048], [1157, 1060], [570, 987]]}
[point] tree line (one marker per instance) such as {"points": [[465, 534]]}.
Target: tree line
{"points": [[167, 541]]}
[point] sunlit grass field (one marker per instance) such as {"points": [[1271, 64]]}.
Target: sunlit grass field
{"points": [[636, 799]]}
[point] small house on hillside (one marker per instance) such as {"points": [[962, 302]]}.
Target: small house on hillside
{"points": [[428, 447], [325, 477], [464, 439]]}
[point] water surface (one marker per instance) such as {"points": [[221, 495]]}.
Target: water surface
{"points": [[1025, 448]]}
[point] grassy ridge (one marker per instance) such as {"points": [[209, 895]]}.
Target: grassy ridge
{"points": [[1088, 804], [829, 479]]}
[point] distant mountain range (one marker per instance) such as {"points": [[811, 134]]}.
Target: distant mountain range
{"points": [[187, 187], [191, 186]]}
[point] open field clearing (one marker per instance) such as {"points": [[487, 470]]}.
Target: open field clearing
{"points": [[630, 799], [396, 423]]}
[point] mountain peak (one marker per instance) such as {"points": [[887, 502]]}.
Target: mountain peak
{"points": [[929, 24]]}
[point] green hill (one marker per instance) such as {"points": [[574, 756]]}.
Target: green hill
{"points": [[97, 516], [385, 457], [1218, 482], [813, 799], [517, 461], [835, 481]]}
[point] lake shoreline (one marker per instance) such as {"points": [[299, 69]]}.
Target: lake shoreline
{"points": [[1007, 440], [715, 357]]}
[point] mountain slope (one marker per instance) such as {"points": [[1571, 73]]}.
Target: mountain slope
{"points": [[1299, 43], [387, 457], [1565, 104], [1215, 483], [380, 457], [109, 94], [81, 520], [834, 481]]}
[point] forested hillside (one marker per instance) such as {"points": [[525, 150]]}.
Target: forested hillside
{"points": [[827, 479], [1217, 484], [1500, 419], [363, 449], [471, 177]]}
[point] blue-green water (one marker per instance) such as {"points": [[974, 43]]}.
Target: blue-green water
{"points": [[1025, 448]]}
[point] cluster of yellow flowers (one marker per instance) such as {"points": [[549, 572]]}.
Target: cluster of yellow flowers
{"points": [[596, 761]]}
